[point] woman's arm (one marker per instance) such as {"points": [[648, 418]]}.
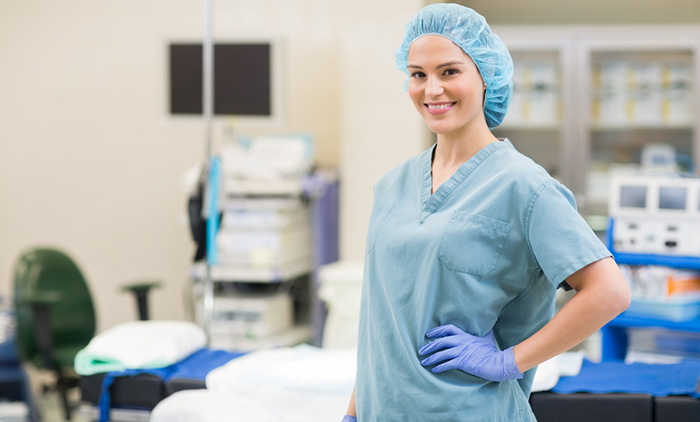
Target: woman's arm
{"points": [[351, 407], [601, 294]]}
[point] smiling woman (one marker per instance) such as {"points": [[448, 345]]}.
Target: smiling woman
{"points": [[446, 87], [469, 242]]}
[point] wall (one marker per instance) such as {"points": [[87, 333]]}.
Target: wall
{"points": [[380, 127]]}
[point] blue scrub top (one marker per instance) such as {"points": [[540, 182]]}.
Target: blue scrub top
{"points": [[485, 251]]}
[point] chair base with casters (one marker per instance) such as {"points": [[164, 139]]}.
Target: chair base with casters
{"points": [[56, 316]]}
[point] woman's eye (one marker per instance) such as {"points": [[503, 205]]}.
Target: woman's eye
{"points": [[417, 74], [450, 72]]}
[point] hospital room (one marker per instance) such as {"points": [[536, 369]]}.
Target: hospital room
{"points": [[374, 210]]}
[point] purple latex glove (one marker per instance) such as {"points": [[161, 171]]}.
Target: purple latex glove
{"points": [[478, 356], [348, 418]]}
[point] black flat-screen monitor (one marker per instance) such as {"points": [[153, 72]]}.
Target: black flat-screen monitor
{"points": [[243, 79]]}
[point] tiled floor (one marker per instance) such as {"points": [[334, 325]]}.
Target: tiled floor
{"points": [[52, 411], [49, 403]]}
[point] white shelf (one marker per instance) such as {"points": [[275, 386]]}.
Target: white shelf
{"points": [[279, 187], [234, 273], [291, 337]]}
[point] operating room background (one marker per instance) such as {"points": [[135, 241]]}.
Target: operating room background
{"points": [[91, 161]]}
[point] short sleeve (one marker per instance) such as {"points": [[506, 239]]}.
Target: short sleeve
{"points": [[559, 238]]}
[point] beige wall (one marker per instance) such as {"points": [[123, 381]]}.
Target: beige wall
{"points": [[90, 161], [380, 127]]}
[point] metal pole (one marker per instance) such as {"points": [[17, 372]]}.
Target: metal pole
{"points": [[208, 73], [207, 108]]}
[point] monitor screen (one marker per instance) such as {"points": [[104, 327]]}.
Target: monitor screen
{"points": [[242, 79], [672, 198], [633, 196]]}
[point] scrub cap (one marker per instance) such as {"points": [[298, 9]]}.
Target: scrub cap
{"points": [[470, 32]]}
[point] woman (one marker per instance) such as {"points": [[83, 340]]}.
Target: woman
{"points": [[467, 244]]}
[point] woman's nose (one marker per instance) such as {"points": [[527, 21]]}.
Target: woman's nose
{"points": [[434, 87]]}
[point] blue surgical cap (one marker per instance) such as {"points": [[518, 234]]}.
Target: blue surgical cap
{"points": [[469, 31]]}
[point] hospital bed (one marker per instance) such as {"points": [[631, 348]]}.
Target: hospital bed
{"points": [[304, 383], [134, 394], [616, 391], [309, 384]]}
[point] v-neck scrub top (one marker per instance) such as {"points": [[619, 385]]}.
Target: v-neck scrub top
{"points": [[486, 251]]}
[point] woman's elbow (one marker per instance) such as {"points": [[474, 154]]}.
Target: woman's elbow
{"points": [[623, 300], [619, 297], [608, 287]]}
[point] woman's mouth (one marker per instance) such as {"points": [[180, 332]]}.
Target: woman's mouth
{"points": [[439, 108]]}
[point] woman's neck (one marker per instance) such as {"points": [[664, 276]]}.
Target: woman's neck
{"points": [[454, 149]]}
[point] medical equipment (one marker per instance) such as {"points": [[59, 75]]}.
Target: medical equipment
{"points": [[269, 157], [656, 218], [270, 235], [659, 157], [653, 235], [468, 30], [654, 223], [239, 317]]}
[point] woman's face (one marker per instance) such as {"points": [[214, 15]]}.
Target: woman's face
{"points": [[445, 85]]}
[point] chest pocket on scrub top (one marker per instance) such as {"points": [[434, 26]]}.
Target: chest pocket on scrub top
{"points": [[473, 243]]}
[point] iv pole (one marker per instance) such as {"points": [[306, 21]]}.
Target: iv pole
{"points": [[207, 107]]}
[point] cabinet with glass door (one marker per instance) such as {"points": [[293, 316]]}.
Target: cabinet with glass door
{"points": [[535, 122], [590, 101], [641, 94]]}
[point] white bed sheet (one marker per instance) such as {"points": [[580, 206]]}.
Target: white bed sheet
{"points": [[299, 384]]}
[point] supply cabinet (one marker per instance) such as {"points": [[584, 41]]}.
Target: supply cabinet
{"points": [[587, 101], [654, 235], [537, 118], [654, 328]]}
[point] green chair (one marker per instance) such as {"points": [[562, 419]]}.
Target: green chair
{"points": [[55, 314]]}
